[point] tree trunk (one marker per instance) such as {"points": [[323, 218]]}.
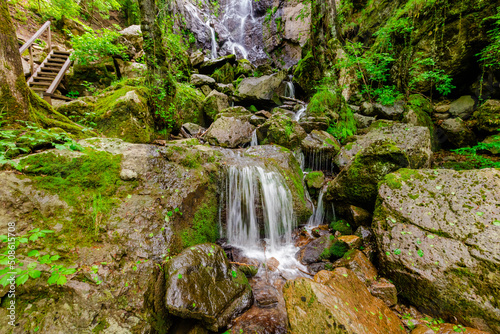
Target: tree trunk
{"points": [[159, 77], [14, 92], [17, 101]]}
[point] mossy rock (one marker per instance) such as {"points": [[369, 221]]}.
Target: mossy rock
{"points": [[487, 117], [225, 74], [307, 73], [419, 111], [99, 74], [342, 226], [281, 130], [314, 181], [188, 102], [124, 114], [244, 68]]}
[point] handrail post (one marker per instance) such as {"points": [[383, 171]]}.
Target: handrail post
{"points": [[50, 40], [32, 67]]}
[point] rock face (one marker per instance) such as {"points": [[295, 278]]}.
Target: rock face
{"points": [[199, 80], [214, 103], [336, 302], [487, 117], [281, 130], [263, 89], [357, 183], [199, 284], [414, 141], [457, 132], [124, 114], [463, 107], [131, 37], [229, 132], [437, 232]]}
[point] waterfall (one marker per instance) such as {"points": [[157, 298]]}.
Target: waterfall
{"points": [[238, 12], [255, 140], [318, 215], [252, 190], [299, 113], [214, 42], [290, 90]]}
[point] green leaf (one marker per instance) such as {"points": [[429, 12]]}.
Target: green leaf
{"points": [[61, 280], [53, 279], [180, 276], [35, 273], [68, 271], [420, 253], [20, 280], [479, 213], [23, 240], [234, 273], [54, 257], [34, 253], [397, 251], [496, 222], [4, 281], [430, 236]]}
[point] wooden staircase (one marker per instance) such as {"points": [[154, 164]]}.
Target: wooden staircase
{"points": [[49, 74]]}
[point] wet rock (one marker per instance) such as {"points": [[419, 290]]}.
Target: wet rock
{"points": [[487, 117], [314, 268], [463, 107], [211, 65], [445, 329], [206, 90], [125, 114], [360, 216], [311, 253], [352, 241], [266, 296], [257, 120], [131, 69], [437, 231], [272, 264], [201, 284], [196, 58], [229, 132], [493, 144], [214, 103], [244, 67], [193, 129], [131, 38], [263, 89], [282, 131], [384, 290], [363, 122], [394, 112], [414, 141], [357, 183], [314, 123], [199, 80], [356, 261], [364, 233], [336, 301], [314, 181], [457, 132]]}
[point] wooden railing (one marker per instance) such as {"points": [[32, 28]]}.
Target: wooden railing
{"points": [[29, 43]]}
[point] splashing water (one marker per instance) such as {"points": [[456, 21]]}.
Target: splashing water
{"points": [[290, 90], [259, 207], [255, 140], [299, 113], [318, 215]]}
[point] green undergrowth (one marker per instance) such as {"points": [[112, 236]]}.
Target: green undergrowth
{"points": [[336, 251], [89, 183]]}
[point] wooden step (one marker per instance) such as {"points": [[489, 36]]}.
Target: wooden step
{"points": [[38, 89], [53, 68], [56, 61], [61, 52], [41, 84], [58, 57], [36, 80]]}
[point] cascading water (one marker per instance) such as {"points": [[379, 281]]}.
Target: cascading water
{"points": [[235, 17], [318, 215], [259, 207], [255, 140], [213, 52], [299, 113], [290, 90]]}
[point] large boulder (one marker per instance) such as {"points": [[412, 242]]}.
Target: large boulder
{"points": [[414, 141], [281, 130], [189, 104], [214, 103], [261, 90], [199, 80], [85, 79], [463, 107], [437, 234], [307, 73], [229, 132], [124, 114], [337, 302], [487, 117], [357, 183], [198, 284], [458, 133], [211, 65], [131, 69], [131, 38]]}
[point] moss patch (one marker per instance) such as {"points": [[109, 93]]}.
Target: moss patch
{"points": [[205, 225]]}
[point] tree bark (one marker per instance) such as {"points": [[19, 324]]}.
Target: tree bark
{"points": [[159, 77], [14, 92]]}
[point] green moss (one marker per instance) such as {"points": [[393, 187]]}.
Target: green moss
{"points": [[323, 102], [342, 226], [102, 325], [314, 180], [87, 183], [188, 102], [225, 74], [205, 225], [336, 251]]}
